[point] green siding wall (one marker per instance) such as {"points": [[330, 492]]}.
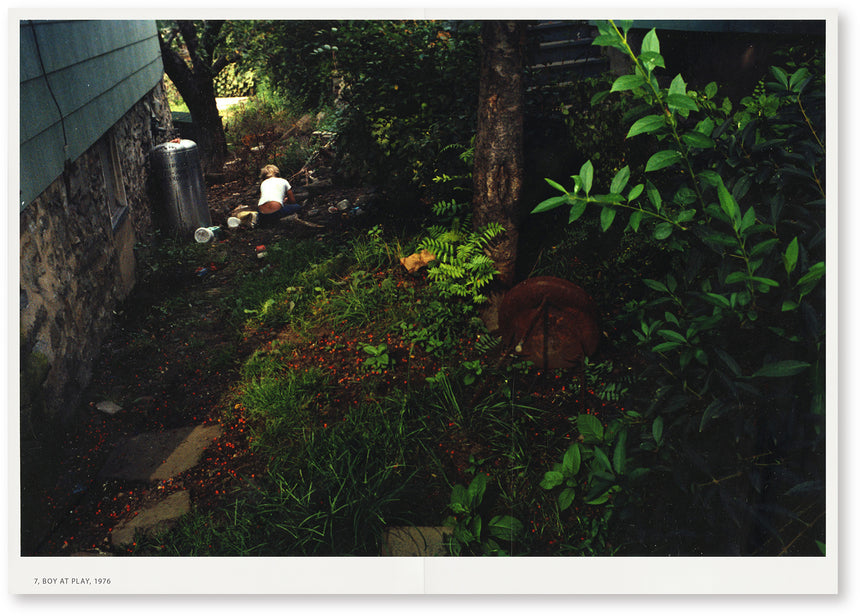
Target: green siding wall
{"points": [[77, 78]]}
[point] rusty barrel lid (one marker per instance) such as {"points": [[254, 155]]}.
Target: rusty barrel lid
{"points": [[550, 321]]}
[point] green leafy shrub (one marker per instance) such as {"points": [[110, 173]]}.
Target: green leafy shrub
{"points": [[399, 90], [291, 56], [262, 131], [603, 457], [474, 534], [734, 328], [234, 81], [377, 356], [410, 89]]}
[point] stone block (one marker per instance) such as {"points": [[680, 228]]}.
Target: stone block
{"points": [[160, 516], [416, 541], [157, 456]]}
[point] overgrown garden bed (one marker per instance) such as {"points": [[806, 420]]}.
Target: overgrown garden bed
{"points": [[358, 396]]}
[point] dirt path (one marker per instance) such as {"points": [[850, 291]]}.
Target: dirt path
{"points": [[170, 363]]}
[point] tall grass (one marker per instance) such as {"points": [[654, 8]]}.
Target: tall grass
{"points": [[282, 404], [351, 481], [335, 481], [284, 291]]}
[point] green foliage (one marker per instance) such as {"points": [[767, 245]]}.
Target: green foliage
{"points": [[257, 116], [174, 98], [738, 198], [473, 371], [286, 293], [409, 89], [284, 52], [461, 268], [595, 122], [378, 358], [233, 81], [261, 131], [283, 404], [401, 90], [586, 466], [437, 325], [372, 251], [603, 383], [355, 301], [470, 533], [335, 499]]}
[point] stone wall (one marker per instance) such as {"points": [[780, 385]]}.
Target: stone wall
{"points": [[77, 264]]}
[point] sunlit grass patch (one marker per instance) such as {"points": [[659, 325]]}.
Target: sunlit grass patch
{"points": [[281, 405]]}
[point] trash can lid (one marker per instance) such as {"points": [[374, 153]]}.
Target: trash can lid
{"points": [[175, 145]]}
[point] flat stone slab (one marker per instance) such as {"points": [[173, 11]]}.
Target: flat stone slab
{"points": [[158, 456], [160, 516], [416, 541]]}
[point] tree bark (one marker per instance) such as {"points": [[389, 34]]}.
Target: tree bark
{"points": [[497, 174], [195, 84]]}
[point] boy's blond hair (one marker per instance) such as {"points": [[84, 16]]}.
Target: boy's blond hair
{"points": [[269, 171]]}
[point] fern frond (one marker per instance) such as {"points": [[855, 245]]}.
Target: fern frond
{"points": [[442, 250], [481, 263], [436, 230], [461, 268], [448, 208], [487, 343], [466, 251]]}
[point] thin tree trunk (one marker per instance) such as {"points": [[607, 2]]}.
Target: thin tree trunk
{"points": [[498, 166]]}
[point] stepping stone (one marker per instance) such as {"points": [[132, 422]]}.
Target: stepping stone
{"points": [[157, 456], [416, 541], [157, 517], [109, 407]]}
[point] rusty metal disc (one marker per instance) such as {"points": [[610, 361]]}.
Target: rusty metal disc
{"points": [[550, 321]]}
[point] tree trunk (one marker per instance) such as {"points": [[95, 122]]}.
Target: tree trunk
{"points": [[213, 142], [195, 84], [497, 174]]}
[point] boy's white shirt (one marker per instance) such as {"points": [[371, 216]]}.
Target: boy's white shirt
{"points": [[273, 189]]}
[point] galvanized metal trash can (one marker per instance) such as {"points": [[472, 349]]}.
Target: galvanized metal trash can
{"points": [[179, 175]]}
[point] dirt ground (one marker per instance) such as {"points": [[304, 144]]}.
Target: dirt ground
{"points": [[171, 372]]}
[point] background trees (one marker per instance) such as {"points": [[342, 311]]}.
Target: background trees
{"points": [[401, 95], [193, 55]]}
